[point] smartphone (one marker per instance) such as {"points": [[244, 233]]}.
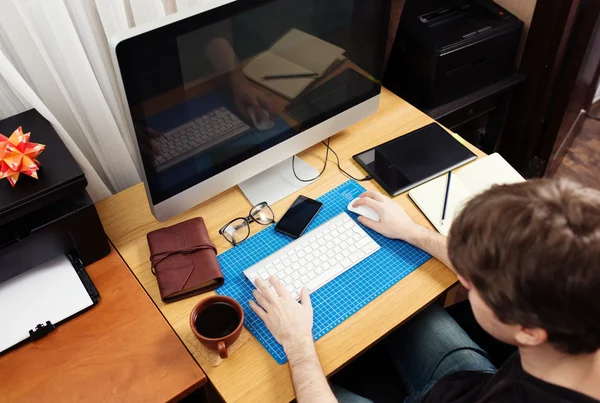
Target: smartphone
{"points": [[295, 221]]}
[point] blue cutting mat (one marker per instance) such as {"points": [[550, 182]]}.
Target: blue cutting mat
{"points": [[344, 295]]}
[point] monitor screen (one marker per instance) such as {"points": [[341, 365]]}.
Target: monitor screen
{"points": [[212, 90]]}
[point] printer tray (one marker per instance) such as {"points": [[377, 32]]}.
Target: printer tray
{"points": [[42, 329]]}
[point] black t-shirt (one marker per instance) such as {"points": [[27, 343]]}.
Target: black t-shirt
{"points": [[510, 384]]}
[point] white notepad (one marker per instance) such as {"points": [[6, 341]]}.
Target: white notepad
{"points": [[467, 182], [51, 292], [295, 53]]}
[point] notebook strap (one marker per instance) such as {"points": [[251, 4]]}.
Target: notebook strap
{"points": [[159, 257]]}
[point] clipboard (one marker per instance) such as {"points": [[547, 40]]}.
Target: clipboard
{"points": [[43, 298]]}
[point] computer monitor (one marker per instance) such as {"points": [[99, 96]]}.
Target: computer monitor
{"points": [[230, 89]]}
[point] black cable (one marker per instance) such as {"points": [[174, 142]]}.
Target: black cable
{"points": [[322, 170], [366, 178]]}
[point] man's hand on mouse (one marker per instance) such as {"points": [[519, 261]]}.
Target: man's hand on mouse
{"points": [[245, 95], [393, 221], [290, 322]]}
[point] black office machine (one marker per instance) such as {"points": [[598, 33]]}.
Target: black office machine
{"points": [[445, 49], [51, 216]]}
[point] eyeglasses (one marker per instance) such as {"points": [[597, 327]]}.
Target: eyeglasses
{"points": [[238, 229]]}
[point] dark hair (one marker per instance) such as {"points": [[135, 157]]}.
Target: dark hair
{"points": [[532, 251]]}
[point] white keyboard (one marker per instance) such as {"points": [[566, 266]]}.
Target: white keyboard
{"points": [[197, 135], [317, 257]]}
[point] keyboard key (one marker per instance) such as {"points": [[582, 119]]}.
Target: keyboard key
{"points": [[330, 253], [302, 270], [297, 284], [346, 263], [337, 269], [304, 279], [356, 237], [352, 248], [301, 254], [311, 274], [288, 270], [294, 258], [295, 275], [295, 266], [362, 242], [317, 281], [287, 262]]}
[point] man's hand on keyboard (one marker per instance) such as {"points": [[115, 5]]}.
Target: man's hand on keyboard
{"points": [[393, 221], [290, 322]]}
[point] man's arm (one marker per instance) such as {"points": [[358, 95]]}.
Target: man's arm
{"points": [[396, 224], [291, 325]]}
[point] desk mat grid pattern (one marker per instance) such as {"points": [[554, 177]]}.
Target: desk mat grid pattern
{"points": [[340, 298]]}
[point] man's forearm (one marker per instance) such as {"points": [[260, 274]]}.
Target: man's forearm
{"points": [[310, 383], [433, 243]]}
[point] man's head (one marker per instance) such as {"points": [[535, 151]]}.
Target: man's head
{"points": [[529, 254]]}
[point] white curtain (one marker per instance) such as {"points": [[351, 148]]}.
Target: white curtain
{"points": [[54, 57]]}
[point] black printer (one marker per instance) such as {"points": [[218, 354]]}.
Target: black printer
{"points": [[41, 219], [445, 49]]}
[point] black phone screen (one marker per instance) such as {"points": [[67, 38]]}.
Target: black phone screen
{"points": [[299, 215]]}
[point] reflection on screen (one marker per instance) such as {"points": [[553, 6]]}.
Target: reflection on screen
{"points": [[211, 91]]}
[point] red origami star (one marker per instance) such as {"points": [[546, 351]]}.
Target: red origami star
{"points": [[18, 155]]}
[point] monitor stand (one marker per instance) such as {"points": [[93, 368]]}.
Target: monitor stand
{"points": [[277, 182]]}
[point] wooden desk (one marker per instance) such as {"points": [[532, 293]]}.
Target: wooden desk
{"points": [[120, 350], [250, 374]]}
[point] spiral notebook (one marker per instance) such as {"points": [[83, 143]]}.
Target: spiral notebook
{"points": [[466, 183]]}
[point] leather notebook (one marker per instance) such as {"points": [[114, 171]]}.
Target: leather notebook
{"points": [[184, 260]]}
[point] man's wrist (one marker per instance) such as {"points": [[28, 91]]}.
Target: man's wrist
{"points": [[237, 77], [299, 348], [415, 235]]}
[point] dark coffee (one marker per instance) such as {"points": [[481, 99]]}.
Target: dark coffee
{"points": [[217, 320]]}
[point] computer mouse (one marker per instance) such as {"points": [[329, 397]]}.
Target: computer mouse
{"points": [[261, 119], [363, 210]]}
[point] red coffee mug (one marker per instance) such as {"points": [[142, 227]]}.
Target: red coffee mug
{"points": [[222, 343]]}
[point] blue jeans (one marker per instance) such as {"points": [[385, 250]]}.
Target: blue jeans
{"points": [[426, 348]]}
